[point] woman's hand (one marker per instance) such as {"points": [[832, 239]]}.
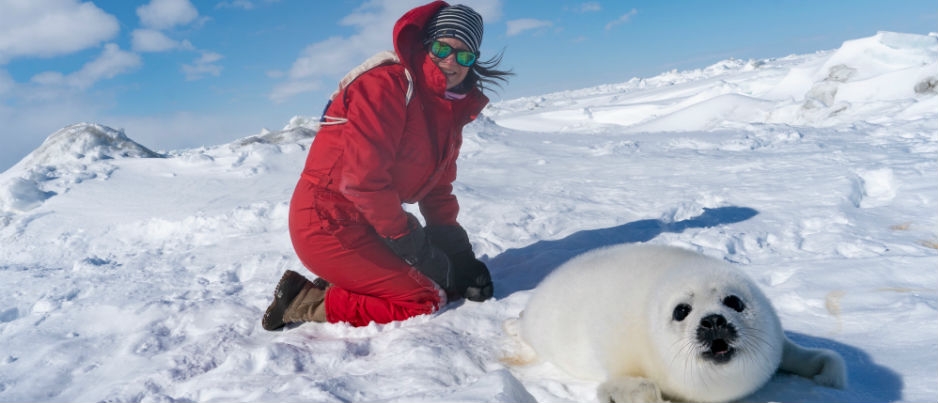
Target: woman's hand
{"points": [[416, 250], [472, 276]]}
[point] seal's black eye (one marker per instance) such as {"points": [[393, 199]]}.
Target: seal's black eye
{"points": [[681, 311], [734, 303]]}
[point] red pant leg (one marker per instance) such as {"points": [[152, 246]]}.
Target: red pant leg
{"points": [[369, 282]]}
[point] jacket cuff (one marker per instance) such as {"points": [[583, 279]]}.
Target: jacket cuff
{"points": [[410, 224]]}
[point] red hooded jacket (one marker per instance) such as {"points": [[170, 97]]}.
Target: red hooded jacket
{"points": [[390, 151]]}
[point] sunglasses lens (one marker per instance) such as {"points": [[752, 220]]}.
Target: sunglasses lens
{"points": [[465, 58], [440, 49]]}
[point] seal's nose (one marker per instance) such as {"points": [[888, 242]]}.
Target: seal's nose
{"points": [[713, 322]]}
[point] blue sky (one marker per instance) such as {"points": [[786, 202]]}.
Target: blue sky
{"points": [[185, 73]]}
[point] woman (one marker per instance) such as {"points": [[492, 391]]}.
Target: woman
{"points": [[395, 136]]}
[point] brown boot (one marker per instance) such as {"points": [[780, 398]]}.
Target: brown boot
{"points": [[308, 306], [296, 299]]}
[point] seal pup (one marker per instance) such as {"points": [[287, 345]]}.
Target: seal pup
{"points": [[652, 322]]}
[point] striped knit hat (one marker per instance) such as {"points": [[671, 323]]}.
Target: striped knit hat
{"points": [[458, 21]]}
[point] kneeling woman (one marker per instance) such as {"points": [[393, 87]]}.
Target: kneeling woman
{"points": [[396, 137]]}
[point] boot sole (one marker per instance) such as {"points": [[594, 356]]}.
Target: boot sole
{"points": [[287, 288]]}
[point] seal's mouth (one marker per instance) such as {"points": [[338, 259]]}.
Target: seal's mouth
{"points": [[720, 351]]}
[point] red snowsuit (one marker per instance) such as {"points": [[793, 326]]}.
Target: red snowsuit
{"points": [[358, 174]]}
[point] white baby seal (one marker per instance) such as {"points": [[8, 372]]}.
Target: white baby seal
{"points": [[656, 321]]}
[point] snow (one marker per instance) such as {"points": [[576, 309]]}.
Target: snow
{"points": [[134, 275]]}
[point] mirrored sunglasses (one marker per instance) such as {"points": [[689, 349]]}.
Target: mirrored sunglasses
{"points": [[463, 57]]}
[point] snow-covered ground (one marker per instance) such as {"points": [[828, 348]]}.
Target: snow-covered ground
{"points": [[128, 274]]}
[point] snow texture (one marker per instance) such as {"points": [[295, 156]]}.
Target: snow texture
{"points": [[134, 275]]}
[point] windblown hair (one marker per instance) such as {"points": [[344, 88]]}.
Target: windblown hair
{"points": [[485, 75]]}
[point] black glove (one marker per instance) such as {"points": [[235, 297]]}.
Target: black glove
{"points": [[474, 275], [415, 249], [472, 278]]}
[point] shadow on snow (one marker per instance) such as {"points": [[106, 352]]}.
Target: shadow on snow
{"points": [[867, 381], [522, 269]]}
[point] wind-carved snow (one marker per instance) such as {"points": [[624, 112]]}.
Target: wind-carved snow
{"points": [[883, 74], [133, 275]]}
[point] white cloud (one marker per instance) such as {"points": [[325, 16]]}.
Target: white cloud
{"points": [[242, 4], [164, 14], [113, 61], [149, 40], [6, 83], [336, 55], [160, 15], [293, 88], [110, 63], [48, 78], [516, 27], [333, 57], [590, 6], [52, 27], [204, 65], [622, 20]]}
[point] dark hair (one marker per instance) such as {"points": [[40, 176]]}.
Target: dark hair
{"points": [[485, 75]]}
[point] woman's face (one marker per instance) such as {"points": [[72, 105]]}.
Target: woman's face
{"points": [[454, 72]]}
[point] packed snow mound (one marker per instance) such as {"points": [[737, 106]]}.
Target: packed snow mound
{"points": [[86, 142], [884, 53], [299, 128], [302, 123], [888, 74], [69, 156]]}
